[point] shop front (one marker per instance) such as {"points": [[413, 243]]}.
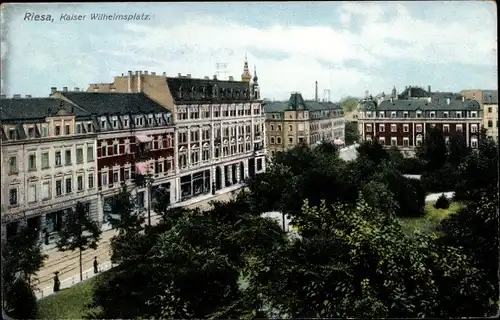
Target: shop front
{"points": [[196, 184]]}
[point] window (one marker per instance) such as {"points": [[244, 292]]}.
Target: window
{"points": [[125, 122], [12, 134], [418, 128], [115, 148], [406, 142], [473, 114], [68, 185], [473, 143], [45, 160], [272, 140], [394, 141], [394, 128], [13, 164], [432, 114], [116, 178], [66, 129], [419, 114], [405, 114], [459, 128], [490, 123], [381, 127], [32, 162], [58, 158], [67, 157], [58, 187], [45, 190], [473, 128], [79, 183], [13, 197], [393, 114], [419, 140], [272, 128], [126, 174], [290, 140], [368, 137], [78, 128], [89, 127], [406, 128], [278, 140], [368, 128], [79, 155], [381, 140], [490, 109], [44, 131], [446, 128], [91, 181], [290, 128], [381, 114], [105, 179], [459, 114], [32, 193], [104, 150], [90, 153], [58, 131], [31, 132], [279, 127], [445, 114], [368, 114]]}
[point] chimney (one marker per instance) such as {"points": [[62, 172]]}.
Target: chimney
{"points": [[429, 89], [188, 75], [215, 77], [392, 100], [231, 78], [164, 74], [16, 96], [206, 78], [77, 89], [28, 96], [130, 81], [448, 100], [179, 75], [65, 89], [463, 99], [409, 92], [139, 84], [146, 72], [3, 96], [153, 73], [53, 90], [315, 90]]}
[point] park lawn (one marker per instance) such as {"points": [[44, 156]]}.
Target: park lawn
{"points": [[69, 303], [429, 222]]}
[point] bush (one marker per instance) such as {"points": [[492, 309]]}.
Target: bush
{"points": [[442, 202], [412, 166], [442, 180], [21, 301]]}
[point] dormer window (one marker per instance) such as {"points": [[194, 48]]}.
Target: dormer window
{"points": [[115, 122], [125, 121], [31, 132], [58, 131], [159, 119], [150, 120], [445, 114], [78, 128], [459, 114], [103, 124], [473, 114], [381, 114], [12, 133], [419, 114], [393, 114], [215, 91], [45, 131], [193, 92], [368, 114], [432, 114], [405, 114], [179, 93], [203, 92]]}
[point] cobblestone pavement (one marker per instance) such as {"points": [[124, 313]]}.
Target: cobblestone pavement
{"points": [[67, 263]]}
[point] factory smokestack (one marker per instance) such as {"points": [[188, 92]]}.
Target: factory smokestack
{"points": [[316, 91]]}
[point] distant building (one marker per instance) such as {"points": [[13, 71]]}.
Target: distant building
{"points": [[299, 121], [489, 103], [404, 122]]}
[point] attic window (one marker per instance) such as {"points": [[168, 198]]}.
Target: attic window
{"points": [[193, 92], [31, 132], [203, 92], [12, 133], [179, 93]]}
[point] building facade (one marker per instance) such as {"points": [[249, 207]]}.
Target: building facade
{"points": [[219, 127], [47, 164], [405, 122], [300, 121], [489, 104], [134, 138]]}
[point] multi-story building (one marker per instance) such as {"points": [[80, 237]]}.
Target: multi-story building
{"points": [[219, 139], [489, 103], [405, 122], [299, 121], [48, 163], [134, 137]]}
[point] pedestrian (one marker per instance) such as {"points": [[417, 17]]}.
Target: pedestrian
{"points": [[46, 235], [57, 283], [96, 270]]}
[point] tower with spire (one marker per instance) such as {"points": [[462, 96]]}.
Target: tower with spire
{"points": [[246, 76], [255, 84]]}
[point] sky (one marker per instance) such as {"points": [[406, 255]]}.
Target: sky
{"points": [[348, 47]]}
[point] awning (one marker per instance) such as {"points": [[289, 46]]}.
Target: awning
{"points": [[143, 139], [338, 142], [142, 168]]}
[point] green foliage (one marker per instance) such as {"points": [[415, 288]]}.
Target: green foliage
{"points": [[349, 104], [442, 180], [22, 255], [79, 232], [433, 150], [412, 166], [373, 151], [457, 149], [123, 216], [21, 301], [378, 195], [442, 202], [351, 133]]}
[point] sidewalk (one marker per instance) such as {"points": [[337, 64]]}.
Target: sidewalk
{"points": [[67, 263]]}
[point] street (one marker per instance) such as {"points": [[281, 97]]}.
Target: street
{"points": [[349, 153]]}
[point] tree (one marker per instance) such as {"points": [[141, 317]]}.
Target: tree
{"points": [[396, 157], [373, 151], [433, 150], [378, 195], [351, 133], [22, 255], [21, 301], [457, 149], [442, 202], [349, 104], [79, 232]]}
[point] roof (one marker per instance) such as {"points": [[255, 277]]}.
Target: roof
{"points": [[193, 90], [490, 96], [100, 103], [424, 104], [417, 92], [13, 109], [297, 102]]}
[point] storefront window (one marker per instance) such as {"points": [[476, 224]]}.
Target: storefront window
{"points": [[186, 187]]}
